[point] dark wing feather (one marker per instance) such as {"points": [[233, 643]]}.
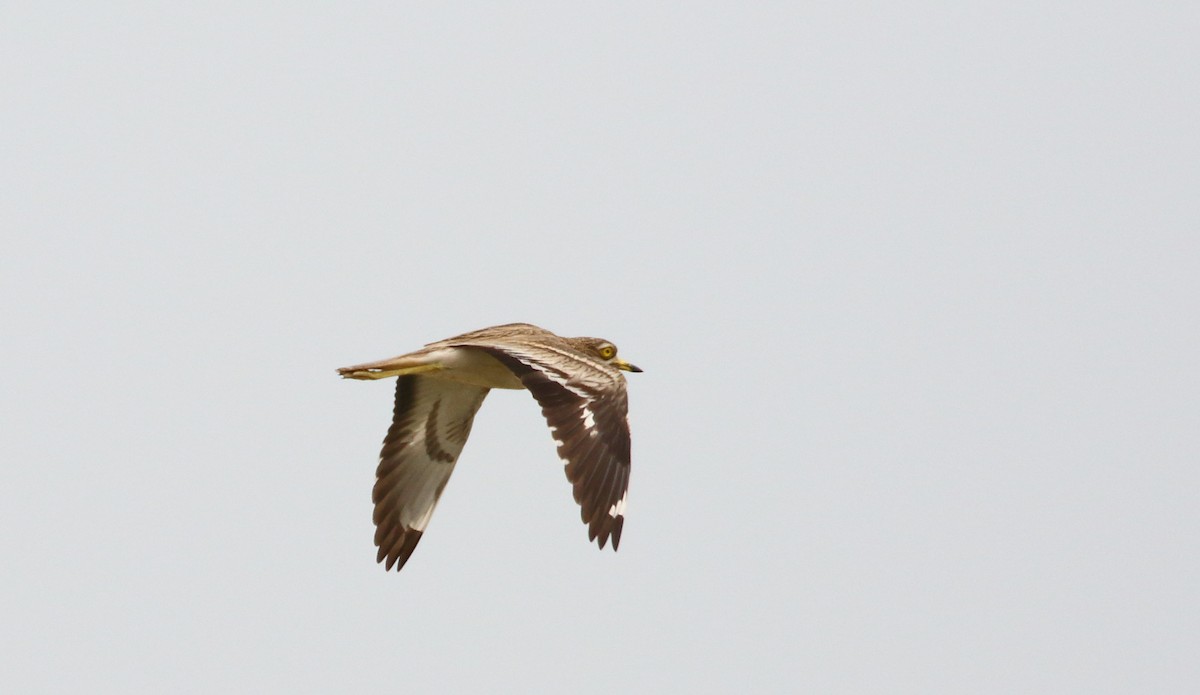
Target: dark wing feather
{"points": [[589, 422], [431, 421]]}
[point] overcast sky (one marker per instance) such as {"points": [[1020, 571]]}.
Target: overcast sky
{"points": [[916, 289]]}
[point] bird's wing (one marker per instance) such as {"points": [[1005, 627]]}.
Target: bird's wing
{"points": [[429, 428], [584, 403]]}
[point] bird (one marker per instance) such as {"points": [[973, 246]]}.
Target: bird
{"points": [[578, 383]]}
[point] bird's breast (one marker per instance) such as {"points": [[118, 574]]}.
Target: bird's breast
{"points": [[476, 367]]}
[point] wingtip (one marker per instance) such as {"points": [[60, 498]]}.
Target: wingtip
{"points": [[395, 551], [601, 535]]}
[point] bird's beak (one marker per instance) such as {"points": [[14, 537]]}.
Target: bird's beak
{"points": [[625, 366]]}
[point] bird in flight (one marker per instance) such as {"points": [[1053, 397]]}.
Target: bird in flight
{"points": [[439, 388]]}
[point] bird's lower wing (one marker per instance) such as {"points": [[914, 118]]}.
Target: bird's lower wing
{"points": [[588, 419], [430, 425]]}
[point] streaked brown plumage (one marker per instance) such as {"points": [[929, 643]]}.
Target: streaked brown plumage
{"points": [[439, 388]]}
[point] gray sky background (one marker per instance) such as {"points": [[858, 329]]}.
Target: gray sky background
{"points": [[915, 286]]}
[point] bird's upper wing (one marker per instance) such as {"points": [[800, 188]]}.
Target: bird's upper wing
{"points": [[584, 402], [429, 428]]}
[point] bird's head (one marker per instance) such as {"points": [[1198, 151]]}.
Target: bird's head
{"points": [[606, 351]]}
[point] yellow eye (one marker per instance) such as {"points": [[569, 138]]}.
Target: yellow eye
{"points": [[608, 352]]}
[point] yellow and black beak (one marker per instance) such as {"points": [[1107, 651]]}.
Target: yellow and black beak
{"points": [[625, 366]]}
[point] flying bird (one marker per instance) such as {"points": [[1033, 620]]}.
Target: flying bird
{"points": [[439, 388]]}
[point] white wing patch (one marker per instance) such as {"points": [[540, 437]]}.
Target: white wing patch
{"points": [[618, 509]]}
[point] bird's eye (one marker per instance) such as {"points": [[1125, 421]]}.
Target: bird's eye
{"points": [[608, 352]]}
